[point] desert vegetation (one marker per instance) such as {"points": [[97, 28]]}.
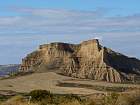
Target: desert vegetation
{"points": [[97, 87], [43, 97]]}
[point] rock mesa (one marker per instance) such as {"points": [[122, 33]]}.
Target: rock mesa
{"points": [[85, 60]]}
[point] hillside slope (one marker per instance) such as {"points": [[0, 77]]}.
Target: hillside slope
{"points": [[60, 84]]}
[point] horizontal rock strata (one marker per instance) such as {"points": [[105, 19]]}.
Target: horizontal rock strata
{"points": [[86, 60]]}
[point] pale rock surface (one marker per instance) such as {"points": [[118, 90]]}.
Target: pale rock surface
{"points": [[86, 60]]}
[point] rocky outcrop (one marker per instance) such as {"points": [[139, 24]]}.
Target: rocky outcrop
{"points": [[86, 60]]}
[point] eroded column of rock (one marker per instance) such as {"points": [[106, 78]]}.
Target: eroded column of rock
{"points": [[93, 65]]}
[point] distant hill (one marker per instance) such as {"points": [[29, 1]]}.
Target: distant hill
{"points": [[7, 69], [88, 60]]}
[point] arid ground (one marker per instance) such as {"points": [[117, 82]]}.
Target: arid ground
{"points": [[61, 84]]}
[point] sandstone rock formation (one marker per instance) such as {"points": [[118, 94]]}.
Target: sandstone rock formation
{"points": [[86, 60]]}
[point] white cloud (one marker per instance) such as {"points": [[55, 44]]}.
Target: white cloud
{"points": [[53, 21], [37, 26]]}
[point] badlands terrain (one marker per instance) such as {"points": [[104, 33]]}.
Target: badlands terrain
{"points": [[85, 68], [95, 74]]}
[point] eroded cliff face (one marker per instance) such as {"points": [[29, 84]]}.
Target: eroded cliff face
{"points": [[86, 60]]}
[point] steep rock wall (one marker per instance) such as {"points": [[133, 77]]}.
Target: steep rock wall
{"points": [[86, 60]]}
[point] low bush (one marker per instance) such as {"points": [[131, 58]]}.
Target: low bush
{"points": [[43, 97], [110, 99], [39, 95]]}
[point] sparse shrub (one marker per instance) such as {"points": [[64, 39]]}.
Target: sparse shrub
{"points": [[111, 99], [15, 100], [40, 95], [91, 103], [73, 97], [73, 102], [43, 97], [3, 98], [124, 100]]}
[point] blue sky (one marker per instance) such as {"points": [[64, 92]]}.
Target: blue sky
{"points": [[25, 24]]}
